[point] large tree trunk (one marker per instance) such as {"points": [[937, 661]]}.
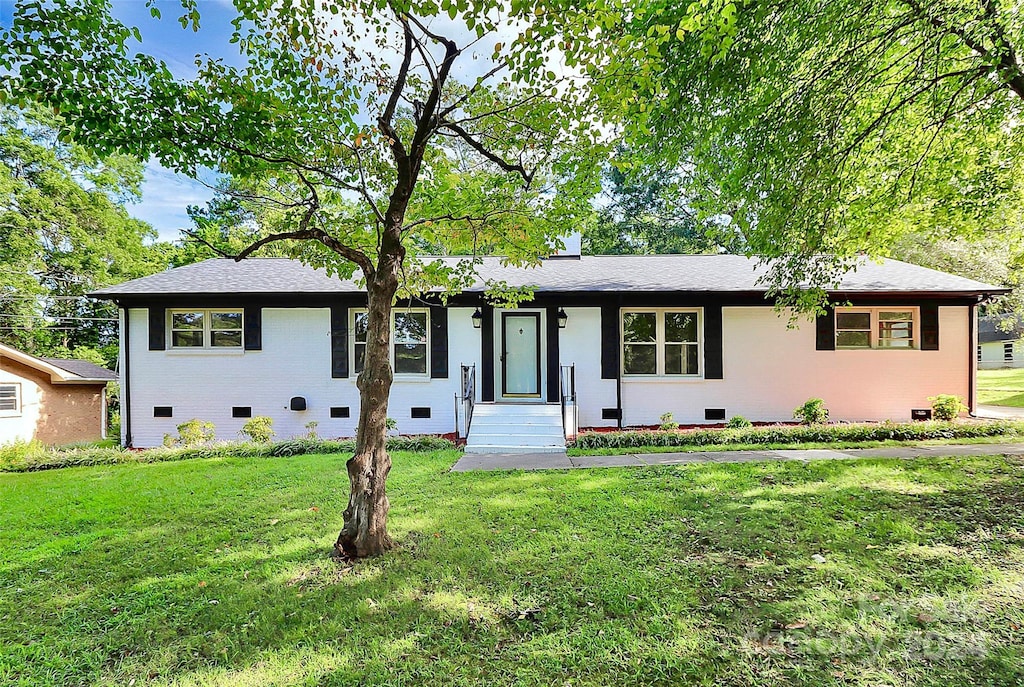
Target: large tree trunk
{"points": [[365, 530]]}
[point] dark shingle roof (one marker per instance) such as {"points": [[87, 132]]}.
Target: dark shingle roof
{"points": [[650, 273], [989, 329], [83, 368]]}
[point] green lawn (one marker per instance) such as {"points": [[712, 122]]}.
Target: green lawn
{"points": [[1003, 387], [214, 572]]}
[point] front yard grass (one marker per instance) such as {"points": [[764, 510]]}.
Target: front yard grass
{"points": [[214, 572], [1003, 387]]}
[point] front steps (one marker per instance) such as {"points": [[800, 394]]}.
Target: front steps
{"points": [[516, 428]]}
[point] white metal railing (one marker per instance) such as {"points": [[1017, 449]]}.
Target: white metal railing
{"points": [[567, 400]]}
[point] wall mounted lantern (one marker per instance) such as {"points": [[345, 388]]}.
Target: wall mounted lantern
{"points": [[478, 319], [563, 319]]}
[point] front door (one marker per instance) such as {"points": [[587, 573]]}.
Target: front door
{"points": [[520, 359]]}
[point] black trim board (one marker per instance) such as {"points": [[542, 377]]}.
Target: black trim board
{"points": [[825, 330], [930, 326], [682, 299], [553, 331]]}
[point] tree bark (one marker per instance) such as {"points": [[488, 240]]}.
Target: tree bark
{"points": [[365, 531]]}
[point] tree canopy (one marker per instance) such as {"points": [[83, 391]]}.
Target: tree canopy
{"points": [[821, 128], [64, 231]]}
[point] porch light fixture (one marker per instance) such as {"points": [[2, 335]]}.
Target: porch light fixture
{"points": [[478, 319], [563, 319]]}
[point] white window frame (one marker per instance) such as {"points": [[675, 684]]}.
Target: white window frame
{"points": [[873, 336], [17, 410], [207, 329], [355, 312], [1008, 352], [660, 343]]}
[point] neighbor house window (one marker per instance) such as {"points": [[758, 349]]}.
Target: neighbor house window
{"points": [[206, 328], [409, 348], [979, 354], [661, 342], [10, 399], [876, 328], [1008, 352]]}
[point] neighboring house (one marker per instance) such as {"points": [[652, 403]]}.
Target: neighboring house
{"points": [[999, 348], [51, 400], [693, 335]]}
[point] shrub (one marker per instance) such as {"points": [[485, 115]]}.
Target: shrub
{"points": [[738, 422], [802, 434], [946, 406], [195, 432], [311, 429], [24, 457], [259, 429], [668, 424], [812, 412]]}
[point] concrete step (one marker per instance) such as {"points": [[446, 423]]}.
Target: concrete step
{"points": [[516, 428], [496, 448]]}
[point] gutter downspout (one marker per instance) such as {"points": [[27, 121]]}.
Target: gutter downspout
{"points": [[972, 359], [126, 387]]}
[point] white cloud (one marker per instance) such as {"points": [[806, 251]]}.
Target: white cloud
{"points": [[165, 195]]}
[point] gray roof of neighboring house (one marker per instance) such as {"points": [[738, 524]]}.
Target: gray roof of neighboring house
{"points": [[83, 368], [989, 329], [605, 273]]}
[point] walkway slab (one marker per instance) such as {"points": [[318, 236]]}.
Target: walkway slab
{"points": [[809, 454], [512, 461], [560, 461], [620, 461]]}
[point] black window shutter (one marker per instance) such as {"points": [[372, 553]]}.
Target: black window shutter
{"points": [[438, 342], [253, 329], [157, 329], [609, 342], [487, 353], [713, 342], [553, 354], [825, 328], [339, 341], [930, 327]]}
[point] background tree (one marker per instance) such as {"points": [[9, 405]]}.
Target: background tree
{"points": [[351, 129], [819, 128], [644, 210], [64, 231]]}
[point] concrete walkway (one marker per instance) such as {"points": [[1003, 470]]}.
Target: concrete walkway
{"points": [[1000, 412], [560, 461]]}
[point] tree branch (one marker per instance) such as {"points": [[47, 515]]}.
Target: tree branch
{"points": [[516, 168]]}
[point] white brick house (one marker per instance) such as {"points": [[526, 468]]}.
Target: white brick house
{"points": [[693, 335]]}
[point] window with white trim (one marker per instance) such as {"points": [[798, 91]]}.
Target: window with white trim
{"points": [[10, 400], [661, 342], [876, 328], [410, 349], [206, 328], [1008, 352]]}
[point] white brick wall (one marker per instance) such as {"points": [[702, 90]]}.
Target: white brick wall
{"points": [[769, 370]]}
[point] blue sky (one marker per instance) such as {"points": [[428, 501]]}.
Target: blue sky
{"points": [[166, 194]]}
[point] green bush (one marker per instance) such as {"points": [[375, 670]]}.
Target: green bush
{"points": [[738, 422], [23, 457], [946, 406], [195, 432], [259, 429], [812, 412], [801, 434], [668, 424]]}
